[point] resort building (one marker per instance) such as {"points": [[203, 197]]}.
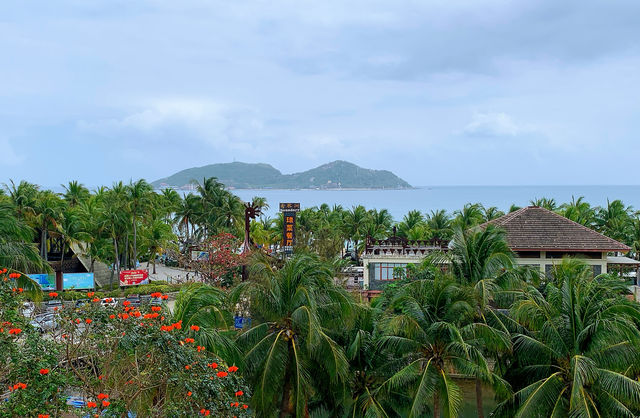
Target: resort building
{"points": [[539, 238]]}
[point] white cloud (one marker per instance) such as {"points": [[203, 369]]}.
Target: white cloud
{"points": [[492, 125], [203, 120]]}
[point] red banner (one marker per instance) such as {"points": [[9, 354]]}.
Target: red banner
{"points": [[133, 277]]}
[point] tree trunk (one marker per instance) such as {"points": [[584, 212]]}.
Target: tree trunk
{"points": [[154, 263], [285, 405], [436, 404], [479, 407], [62, 255], [135, 244], [117, 260]]}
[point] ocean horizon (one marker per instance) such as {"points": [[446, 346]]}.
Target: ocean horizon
{"points": [[450, 198]]}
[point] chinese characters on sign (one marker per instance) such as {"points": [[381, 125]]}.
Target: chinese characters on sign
{"points": [[289, 233]]}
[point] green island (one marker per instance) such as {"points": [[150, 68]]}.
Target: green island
{"points": [[531, 312], [333, 175]]}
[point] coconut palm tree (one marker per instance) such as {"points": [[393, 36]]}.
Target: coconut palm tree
{"points": [[205, 306], [290, 349], [75, 193], [482, 260], [354, 224], [577, 354], [439, 224], [470, 215], [139, 197], [578, 211], [491, 213], [48, 211], [17, 251], [156, 236], [544, 202], [424, 326], [411, 220], [614, 220]]}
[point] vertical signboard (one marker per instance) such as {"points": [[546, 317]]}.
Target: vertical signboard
{"points": [[289, 211]]}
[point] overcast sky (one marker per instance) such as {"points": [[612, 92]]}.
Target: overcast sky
{"points": [[449, 92]]}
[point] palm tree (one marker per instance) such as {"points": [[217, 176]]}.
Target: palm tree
{"points": [[491, 213], [138, 194], [580, 345], [296, 307], [187, 213], [614, 221], [204, 306], [17, 251], [578, 211], [425, 328], [48, 210], [439, 224], [156, 236], [75, 193], [411, 220], [544, 202], [354, 224], [482, 260], [470, 215]]}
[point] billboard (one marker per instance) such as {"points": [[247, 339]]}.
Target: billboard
{"points": [[46, 281], [77, 281], [134, 277]]}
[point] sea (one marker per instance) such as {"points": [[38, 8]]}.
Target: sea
{"points": [[449, 198]]}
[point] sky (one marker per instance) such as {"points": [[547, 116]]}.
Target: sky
{"points": [[446, 92]]}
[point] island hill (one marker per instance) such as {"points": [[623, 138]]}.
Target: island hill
{"points": [[334, 175]]}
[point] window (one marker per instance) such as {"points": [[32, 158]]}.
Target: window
{"points": [[384, 271]]}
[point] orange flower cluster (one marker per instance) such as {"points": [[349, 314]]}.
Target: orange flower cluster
{"points": [[43, 415], [88, 320], [156, 295], [200, 348], [13, 275], [189, 340], [151, 315], [156, 308], [15, 331], [102, 396], [19, 289], [44, 371], [53, 294], [205, 412], [195, 328], [213, 365], [90, 294], [18, 386], [95, 300], [91, 404], [187, 367], [164, 297], [233, 369], [222, 374]]}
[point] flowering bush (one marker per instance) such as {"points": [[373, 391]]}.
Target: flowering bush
{"points": [[117, 359]]}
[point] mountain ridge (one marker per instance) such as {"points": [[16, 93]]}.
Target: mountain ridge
{"points": [[337, 174]]}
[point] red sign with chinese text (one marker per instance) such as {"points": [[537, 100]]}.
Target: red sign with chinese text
{"points": [[134, 277]]}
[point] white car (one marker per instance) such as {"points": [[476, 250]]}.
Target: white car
{"points": [[109, 302]]}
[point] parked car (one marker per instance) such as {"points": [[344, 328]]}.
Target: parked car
{"points": [[108, 302], [134, 300], [53, 305], [28, 309], [45, 322], [81, 302]]}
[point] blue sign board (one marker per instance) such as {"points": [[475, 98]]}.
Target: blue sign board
{"points": [[237, 322], [46, 281], [77, 281]]}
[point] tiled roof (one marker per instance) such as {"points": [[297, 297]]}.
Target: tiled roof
{"points": [[535, 228]]}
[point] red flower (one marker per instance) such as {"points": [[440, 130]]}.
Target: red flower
{"points": [[156, 295], [91, 404], [200, 348], [213, 365], [90, 294], [53, 295], [126, 303], [125, 316], [102, 396], [245, 406], [112, 316], [19, 385], [137, 314], [44, 371], [165, 297], [189, 393], [189, 340], [156, 308], [239, 393], [221, 374], [43, 415], [95, 300], [233, 369], [88, 320], [15, 331], [195, 327], [205, 411], [106, 403], [187, 367]]}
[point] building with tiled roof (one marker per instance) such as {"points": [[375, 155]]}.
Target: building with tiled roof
{"points": [[540, 238]]}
